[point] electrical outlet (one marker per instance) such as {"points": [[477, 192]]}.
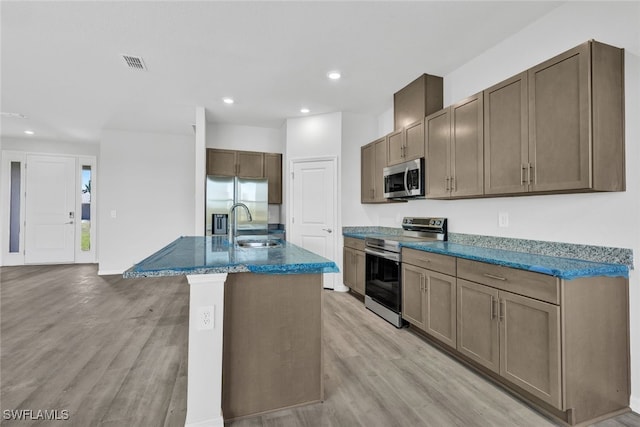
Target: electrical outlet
{"points": [[205, 318], [503, 219]]}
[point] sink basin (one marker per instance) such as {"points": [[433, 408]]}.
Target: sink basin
{"points": [[259, 243]]}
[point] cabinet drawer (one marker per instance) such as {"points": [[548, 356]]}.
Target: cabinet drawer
{"points": [[436, 262], [353, 243], [534, 285]]}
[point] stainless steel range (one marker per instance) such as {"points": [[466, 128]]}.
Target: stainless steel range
{"points": [[383, 289]]}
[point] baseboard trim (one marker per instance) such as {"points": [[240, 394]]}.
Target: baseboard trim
{"points": [[109, 272], [211, 422]]}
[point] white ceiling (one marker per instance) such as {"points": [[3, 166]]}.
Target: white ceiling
{"points": [[61, 63]]}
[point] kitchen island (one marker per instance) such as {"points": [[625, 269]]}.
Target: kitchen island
{"points": [[255, 325]]}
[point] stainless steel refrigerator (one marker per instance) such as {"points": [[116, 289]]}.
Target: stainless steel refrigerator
{"points": [[222, 192]]}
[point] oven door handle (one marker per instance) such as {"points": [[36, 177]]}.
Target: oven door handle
{"points": [[386, 255]]}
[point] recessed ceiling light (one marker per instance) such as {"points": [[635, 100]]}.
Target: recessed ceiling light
{"points": [[333, 75], [227, 100], [29, 132], [304, 110]]}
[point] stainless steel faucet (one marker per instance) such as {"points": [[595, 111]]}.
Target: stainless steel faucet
{"points": [[233, 224]]}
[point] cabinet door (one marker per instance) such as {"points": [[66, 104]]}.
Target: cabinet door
{"points": [[530, 346], [440, 313], [414, 141], [395, 147], [367, 163], [506, 136], [273, 172], [360, 271], [559, 146], [250, 164], [221, 162], [438, 137], [413, 295], [467, 150], [478, 328], [380, 162], [349, 267]]}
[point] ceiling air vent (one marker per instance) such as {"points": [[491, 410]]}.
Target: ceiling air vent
{"points": [[134, 62]]}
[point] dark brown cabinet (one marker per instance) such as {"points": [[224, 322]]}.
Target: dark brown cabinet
{"points": [[243, 164], [454, 150], [515, 336], [353, 264], [406, 144], [506, 136], [373, 159], [248, 164], [558, 127], [429, 296], [273, 172], [417, 100]]}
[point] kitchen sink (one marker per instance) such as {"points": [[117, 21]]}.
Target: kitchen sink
{"points": [[259, 243]]}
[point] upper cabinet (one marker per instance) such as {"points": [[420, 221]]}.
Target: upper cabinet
{"points": [[248, 164], [506, 136], [273, 172], [406, 144], [558, 127], [243, 164], [454, 150], [373, 158], [417, 100]]}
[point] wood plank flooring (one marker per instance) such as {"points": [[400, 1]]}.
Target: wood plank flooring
{"points": [[113, 352]]}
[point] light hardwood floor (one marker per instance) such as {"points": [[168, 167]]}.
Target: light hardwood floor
{"points": [[113, 353]]}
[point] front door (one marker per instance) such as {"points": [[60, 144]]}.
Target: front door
{"points": [[314, 209], [50, 209]]}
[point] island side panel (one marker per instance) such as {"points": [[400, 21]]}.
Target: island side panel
{"points": [[272, 343]]}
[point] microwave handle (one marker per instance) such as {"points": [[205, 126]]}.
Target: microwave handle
{"points": [[406, 178]]}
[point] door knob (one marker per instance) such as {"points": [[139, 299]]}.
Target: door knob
{"points": [[70, 222], [328, 230]]}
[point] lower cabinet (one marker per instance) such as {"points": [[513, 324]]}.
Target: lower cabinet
{"points": [[514, 336], [429, 302], [563, 345], [353, 265]]}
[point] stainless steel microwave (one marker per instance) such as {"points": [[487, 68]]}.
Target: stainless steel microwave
{"points": [[405, 180]]}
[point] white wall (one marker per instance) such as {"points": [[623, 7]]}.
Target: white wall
{"points": [[564, 218], [246, 138], [36, 145], [147, 179]]}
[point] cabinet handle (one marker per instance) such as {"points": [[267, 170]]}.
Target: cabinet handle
{"points": [[491, 276], [493, 307], [523, 167], [530, 173], [423, 283], [453, 183], [502, 309], [446, 183]]}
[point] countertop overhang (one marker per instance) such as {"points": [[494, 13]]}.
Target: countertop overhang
{"points": [[212, 254]]}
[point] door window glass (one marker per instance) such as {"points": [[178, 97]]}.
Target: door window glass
{"points": [[85, 234], [14, 208]]}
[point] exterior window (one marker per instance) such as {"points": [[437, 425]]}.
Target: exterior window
{"points": [[14, 208], [85, 234]]}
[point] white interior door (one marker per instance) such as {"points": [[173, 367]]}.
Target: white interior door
{"points": [[314, 209], [50, 209]]}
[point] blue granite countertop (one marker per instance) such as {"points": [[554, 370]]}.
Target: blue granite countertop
{"points": [[564, 268], [212, 254]]}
